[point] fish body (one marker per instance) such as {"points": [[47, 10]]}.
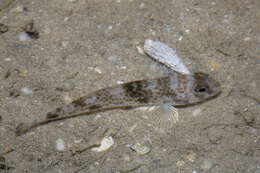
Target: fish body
{"points": [[176, 90]]}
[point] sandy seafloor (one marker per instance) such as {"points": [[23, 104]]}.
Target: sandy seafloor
{"points": [[85, 45]]}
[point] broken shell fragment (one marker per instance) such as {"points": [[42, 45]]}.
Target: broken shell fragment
{"points": [[106, 143]]}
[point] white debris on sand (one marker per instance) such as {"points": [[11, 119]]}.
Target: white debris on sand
{"points": [[140, 148], [106, 143], [196, 112], [23, 36], [60, 145], [206, 165], [163, 53], [27, 91]]}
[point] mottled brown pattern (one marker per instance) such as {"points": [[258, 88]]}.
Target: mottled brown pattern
{"points": [[177, 90], [137, 91], [80, 102]]}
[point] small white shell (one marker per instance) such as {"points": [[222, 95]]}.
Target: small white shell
{"points": [[141, 149], [60, 145], [106, 143]]}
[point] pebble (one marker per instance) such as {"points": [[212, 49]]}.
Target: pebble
{"points": [[140, 50], [96, 69], [3, 28], [67, 85], [65, 44], [8, 59], [196, 112], [14, 93], [27, 91], [140, 149], [110, 27], [23, 73], [73, 1], [247, 38], [60, 145], [180, 163], [23, 36], [191, 157], [112, 58], [206, 165], [120, 82], [77, 141], [126, 157], [106, 143], [67, 99], [180, 36], [18, 9]]}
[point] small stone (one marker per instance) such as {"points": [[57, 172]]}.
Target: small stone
{"points": [[112, 58], [77, 141], [214, 64], [106, 143], [8, 59], [66, 19], [180, 35], [3, 28], [67, 99], [191, 157], [206, 165], [141, 4], [23, 36], [31, 31], [67, 85], [14, 93], [196, 112], [247, 38], [120, 82], [96, 69], [140, 50], [187, 30], [110, 27], [60, 145], [27, 91], [73, 1], [23, 73], [249, 117], [18, 9], [64, 44], [140, 149], [126, 158], [180, 163]]}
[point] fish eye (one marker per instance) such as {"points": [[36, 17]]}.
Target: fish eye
{"points": [[201, 89]]}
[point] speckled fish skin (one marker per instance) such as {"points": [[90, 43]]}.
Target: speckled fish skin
{"points": [[177, 90]]}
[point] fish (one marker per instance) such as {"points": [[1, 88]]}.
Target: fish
{"points": [[176, 89]]}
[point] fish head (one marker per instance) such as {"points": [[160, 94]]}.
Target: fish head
{"points": [[203, 88]]}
